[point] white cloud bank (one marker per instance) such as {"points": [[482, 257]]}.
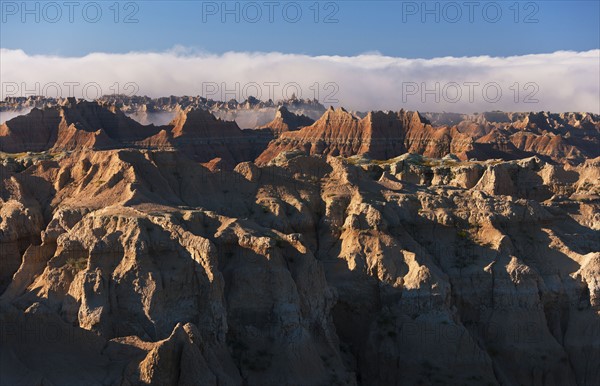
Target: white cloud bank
{"points": [[560, 81]]}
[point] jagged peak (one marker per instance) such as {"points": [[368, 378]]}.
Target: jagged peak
{"points": [[339, 112], [281, 112], [68, 102]]}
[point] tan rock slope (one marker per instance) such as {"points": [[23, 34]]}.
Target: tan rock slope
{"points": [[131, 266], [250, 113], [338, 132], [69, 126], [566, 137], [78, 124], [203, 137]]}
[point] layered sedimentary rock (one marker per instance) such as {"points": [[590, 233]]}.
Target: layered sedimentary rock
{"points": [[132, 266], [380, 135], [391, 248], [69, 126], [338, 132], [571, 137], [564, 137], [251, 113], [203, 137], [287, 121], [76, 124]]}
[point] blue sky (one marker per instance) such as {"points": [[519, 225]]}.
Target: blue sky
{"points": [[363, 55], [392, 28]]}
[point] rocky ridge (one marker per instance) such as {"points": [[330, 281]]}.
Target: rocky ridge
{"points": [[143, 266], [251, 113], [571, 138], [285, 121], [560, 137], [359, 250], [77, 124]]}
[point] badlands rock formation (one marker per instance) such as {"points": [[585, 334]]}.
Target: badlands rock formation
{"points": [[380, 135], [144, 264], [338, 132], [287, 121], [564, 137], [203, 137], [572, 137], [136, 266], [71, 125], [251, 113], [77, 124]]}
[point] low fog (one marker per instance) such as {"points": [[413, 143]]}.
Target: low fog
{"points": [[560, 81]]}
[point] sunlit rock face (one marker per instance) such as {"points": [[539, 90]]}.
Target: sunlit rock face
{"points": [[136, 254]]}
